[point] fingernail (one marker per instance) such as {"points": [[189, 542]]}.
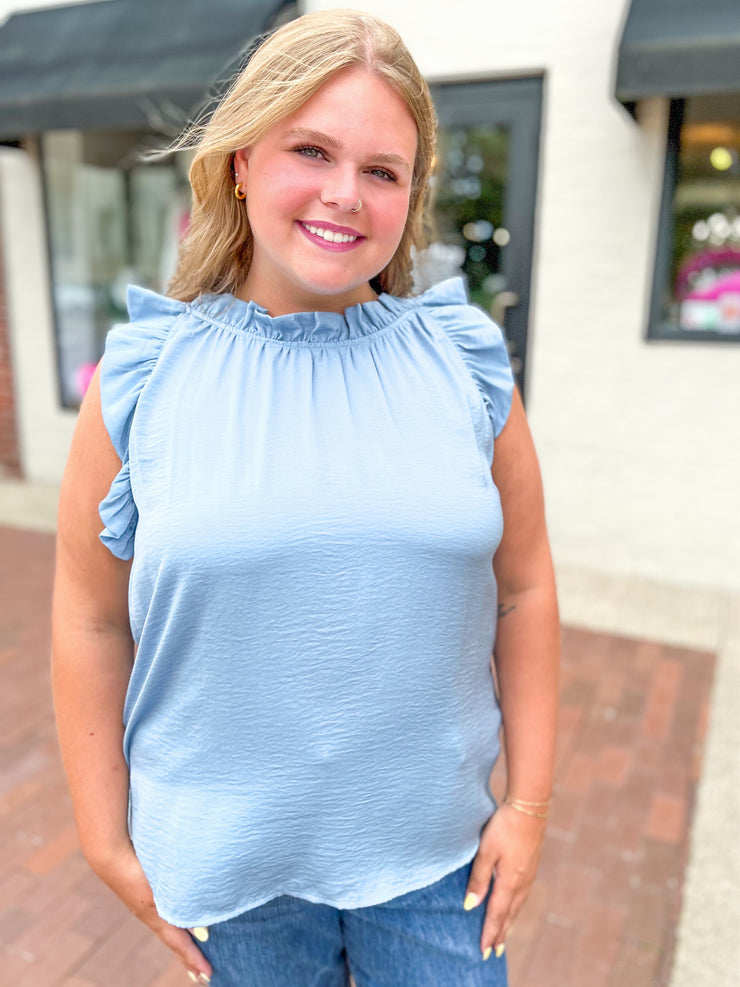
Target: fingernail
{"points": [[471, 900], [193, 976], [204, 978], [500, 950], [487, 953], [201, 934]]}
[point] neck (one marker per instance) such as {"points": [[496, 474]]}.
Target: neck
{"points": [[279, 299]]}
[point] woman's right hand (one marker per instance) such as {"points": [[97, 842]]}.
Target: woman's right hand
{"points": [[124, 875]]}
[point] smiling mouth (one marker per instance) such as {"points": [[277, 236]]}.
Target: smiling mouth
{"points": [[331, 236]]}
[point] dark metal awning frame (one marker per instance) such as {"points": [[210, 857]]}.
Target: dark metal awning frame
{"points": [[116, 64], [679, 48]]}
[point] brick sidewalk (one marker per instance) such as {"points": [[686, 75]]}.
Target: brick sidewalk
{"points": [[602, 912]]}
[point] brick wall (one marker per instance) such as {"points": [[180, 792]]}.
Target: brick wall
{"points": [[10, 461]]}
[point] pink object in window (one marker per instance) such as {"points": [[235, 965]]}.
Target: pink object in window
{"points": [[726, 284]]}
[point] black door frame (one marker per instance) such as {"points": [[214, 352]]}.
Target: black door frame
{"points": [[514, 104]]}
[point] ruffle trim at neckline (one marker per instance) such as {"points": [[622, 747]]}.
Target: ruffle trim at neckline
{"points": [[311, 327]]}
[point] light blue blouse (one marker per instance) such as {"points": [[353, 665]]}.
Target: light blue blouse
{"points": [[309, 505]]}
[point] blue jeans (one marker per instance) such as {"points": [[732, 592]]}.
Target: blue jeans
{"points": [[420, 939]]}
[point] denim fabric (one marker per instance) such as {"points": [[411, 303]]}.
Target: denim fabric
{"points": [[420, 939]]}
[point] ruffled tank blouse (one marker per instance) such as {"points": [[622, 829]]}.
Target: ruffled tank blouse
{"points": [[309, 507]]}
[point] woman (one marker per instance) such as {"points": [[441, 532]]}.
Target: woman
{"points": [[272, 667]]}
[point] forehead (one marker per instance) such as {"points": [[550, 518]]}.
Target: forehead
{"points": [[356, 103]]}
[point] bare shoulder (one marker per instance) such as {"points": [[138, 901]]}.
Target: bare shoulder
{"points": [[515, 466], [516, 473], [92, 463], [84, 565]]}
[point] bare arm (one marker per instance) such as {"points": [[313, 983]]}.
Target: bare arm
{"points": [[92, 647], [528, 635], [526, 654], [92, 655]]}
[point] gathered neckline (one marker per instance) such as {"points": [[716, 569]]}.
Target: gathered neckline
{"points": [[359, 320], [312, 328]]}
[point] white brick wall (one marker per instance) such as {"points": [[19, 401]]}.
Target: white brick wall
{"points": [[45, 429]]}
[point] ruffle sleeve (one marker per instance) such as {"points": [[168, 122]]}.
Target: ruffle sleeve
{"points": [[479, 341], [131, 353]]}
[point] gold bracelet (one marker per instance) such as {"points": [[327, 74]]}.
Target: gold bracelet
{"points": [[537, 805], [518, 807], [527, 802]]}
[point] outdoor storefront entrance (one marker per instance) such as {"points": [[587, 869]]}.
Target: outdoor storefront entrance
{"points": [[485, 198]]}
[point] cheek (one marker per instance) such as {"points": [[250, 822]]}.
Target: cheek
{"points": [[393, 217], [288, 184], [274, 192]]}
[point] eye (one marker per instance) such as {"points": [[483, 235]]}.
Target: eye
{"points": [[383, 173], [309, 151]]}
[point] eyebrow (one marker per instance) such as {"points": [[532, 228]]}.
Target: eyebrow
{"points": [[316, 137]]}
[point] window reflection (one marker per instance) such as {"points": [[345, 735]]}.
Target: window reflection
{"points": [[704, 290], [469, 189], [112, 220]]}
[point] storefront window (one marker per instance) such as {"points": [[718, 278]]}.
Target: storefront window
{"points": [[113, 220], [697, 291], [469, 230]]}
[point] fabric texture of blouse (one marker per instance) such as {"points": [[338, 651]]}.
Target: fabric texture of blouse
{"points": [[309, 506]]}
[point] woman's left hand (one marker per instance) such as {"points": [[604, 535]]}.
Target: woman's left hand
{"points": [[510, 848]]}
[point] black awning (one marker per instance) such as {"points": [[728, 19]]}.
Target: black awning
{"points": [[120, 63], [679, 48]]}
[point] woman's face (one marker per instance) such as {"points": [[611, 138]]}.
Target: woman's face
{"points": [[328, 195]]}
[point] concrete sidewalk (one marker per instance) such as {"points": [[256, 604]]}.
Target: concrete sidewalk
{"points": [[637, 670]]}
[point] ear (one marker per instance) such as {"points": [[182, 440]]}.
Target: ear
{"points": [[241, 166]]}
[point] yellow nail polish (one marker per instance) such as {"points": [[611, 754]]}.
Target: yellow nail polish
{"points": [[471, 900], [487, 953], [201, 933], [193, 976], [500, 950]]}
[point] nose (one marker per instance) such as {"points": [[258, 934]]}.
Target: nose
{"points": [[341, 191]]}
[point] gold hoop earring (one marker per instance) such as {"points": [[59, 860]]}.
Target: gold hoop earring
{"points": [[238, 191]]}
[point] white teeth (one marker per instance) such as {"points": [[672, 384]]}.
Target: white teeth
{"points": [[330, 235]]}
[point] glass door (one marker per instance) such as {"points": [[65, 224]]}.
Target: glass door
{"points": [[485, 195]]}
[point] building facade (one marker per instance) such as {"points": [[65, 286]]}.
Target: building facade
{"points": [[589, 191]]}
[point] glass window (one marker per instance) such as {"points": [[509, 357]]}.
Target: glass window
{"points": [[469, 196], [697, 290], [112, 220]]}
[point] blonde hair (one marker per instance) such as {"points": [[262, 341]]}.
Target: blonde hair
{"points": [[282, 74]]}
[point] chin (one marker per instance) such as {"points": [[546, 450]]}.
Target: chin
{"points": [[329, 289]]}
